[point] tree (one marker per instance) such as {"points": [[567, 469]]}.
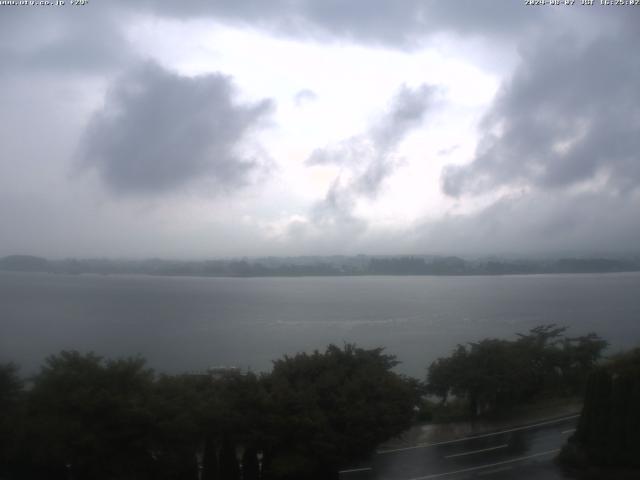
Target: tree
{"points": [[609, 426], [608, 433], [179, 407], [208, 414], [330, 408], [86, 417], [495, 374], [91, 417], [11, 415]]}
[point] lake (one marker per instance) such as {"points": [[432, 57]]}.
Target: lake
{"points": [[190, 323]]}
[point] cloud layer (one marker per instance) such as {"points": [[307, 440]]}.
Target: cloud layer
{"points": [[569, 115], [366, 160], [553, 164], [381, 22], [159, 131]]}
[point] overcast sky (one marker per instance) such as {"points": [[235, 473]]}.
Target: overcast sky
{"points": [[215, 128]]}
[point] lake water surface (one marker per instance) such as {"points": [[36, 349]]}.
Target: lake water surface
{"points": [[187, 324]]}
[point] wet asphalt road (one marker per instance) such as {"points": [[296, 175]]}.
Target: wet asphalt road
{"points": [[519, 453]]}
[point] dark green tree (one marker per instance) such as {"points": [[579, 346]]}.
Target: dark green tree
{"points": [[86, 417], [90, 418], [495, 374], [11, 416], [333, 407], [608, 433], [180, 406]]}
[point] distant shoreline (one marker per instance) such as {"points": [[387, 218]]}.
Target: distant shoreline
{"points": [[336, 266]]}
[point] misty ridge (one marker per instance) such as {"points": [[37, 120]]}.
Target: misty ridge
{"points": [[338, 265]]}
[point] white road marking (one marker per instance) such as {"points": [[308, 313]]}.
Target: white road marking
{"points": [[354, 470], [464, 439], [564, 432], [489, 465], [496, 470], [477, 451]]}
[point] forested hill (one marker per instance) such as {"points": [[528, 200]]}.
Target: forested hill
{"points": [[321, 266]]}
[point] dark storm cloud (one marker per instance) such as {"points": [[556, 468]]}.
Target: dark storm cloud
{"points": [[569, 114], [372, 156], [159, 131]]}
